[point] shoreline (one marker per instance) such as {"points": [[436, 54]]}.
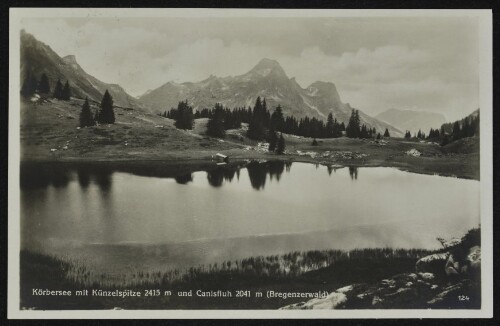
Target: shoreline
{"points": [[142, 137], [429, 166], [364, 278]]}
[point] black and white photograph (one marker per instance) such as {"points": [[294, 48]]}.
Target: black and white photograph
{"points": [[182, 163]]}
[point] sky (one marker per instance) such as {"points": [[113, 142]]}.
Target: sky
{"points": [[415, 63]]}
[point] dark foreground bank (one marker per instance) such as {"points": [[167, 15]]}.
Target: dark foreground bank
{"points": [[358, 279]]}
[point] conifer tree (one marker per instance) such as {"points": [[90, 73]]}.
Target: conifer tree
{"points": [[386, 133], [58, 90], [184, 116], [363, 132], [273, 140], [29, 85], [442, 130], [353, 127], [465, 128], [280, 149], [66, 92], [456, 130], [86, 118], [330, 132], [256, 130], [277, 119], [106, 114], [44, 85], [215, 126]]}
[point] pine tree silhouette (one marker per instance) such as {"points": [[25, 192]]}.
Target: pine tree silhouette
{"points": [[58, 90], [277, 119], [273, 140], [353, 127], [215, 126], [86, 118], [256, 129], [386, 133], [29, 85], [106, 114], [281, 145], [184, 116], [456, 130], [66, 92], [44, 85]]}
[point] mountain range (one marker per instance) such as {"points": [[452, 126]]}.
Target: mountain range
{"points": [[412, 120], [267, 80]]}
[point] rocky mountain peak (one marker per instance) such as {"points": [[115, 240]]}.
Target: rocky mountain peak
{"points": [[267, 66], [268, 80], [324, 85], [326, 90]]}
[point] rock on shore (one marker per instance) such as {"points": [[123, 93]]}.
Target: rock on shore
{"points": [[449, 278]]}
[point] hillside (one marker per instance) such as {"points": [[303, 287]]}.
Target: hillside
{"points": [[39, 58], [412, 120], [50, 131], [267, 80]]}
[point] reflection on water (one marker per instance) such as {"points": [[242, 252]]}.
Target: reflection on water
{"points": [[59, 177], [184, 179], [191, 214], [353, 172], [220, 174], [47, 175], [257, 173]]}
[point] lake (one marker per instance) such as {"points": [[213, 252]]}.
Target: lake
{"points": [[162, 216]]}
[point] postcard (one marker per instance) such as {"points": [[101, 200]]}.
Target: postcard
{"points": [[229, 163]]}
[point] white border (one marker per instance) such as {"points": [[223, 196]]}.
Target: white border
{"points": [[486, 152]]}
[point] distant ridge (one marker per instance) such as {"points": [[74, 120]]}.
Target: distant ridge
{"points": [[268, 80], [412, 120]]}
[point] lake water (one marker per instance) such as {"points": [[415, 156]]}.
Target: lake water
{"points": [[167, 216]]}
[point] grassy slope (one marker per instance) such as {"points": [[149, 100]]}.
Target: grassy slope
{"points": [[142, 136], [52, 125]]}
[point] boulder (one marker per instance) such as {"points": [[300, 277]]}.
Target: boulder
{"points": [[474, 259], [426, 276], [449, 243], [434, 263], [452, 266], [413, 152]]}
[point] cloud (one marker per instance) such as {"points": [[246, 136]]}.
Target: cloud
{"points": [[390, 76], [375, 66]]}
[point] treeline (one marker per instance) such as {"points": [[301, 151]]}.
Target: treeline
{"points": [[262, 124], [354, 128], [467, 127], [32, 85]]}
